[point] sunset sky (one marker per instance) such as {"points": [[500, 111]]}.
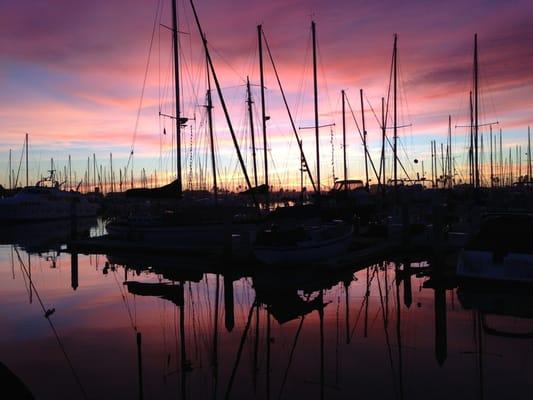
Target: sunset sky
{"points": [[71, 75]]}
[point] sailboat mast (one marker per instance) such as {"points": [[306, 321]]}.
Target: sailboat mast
{"points": [[501, 160], [383, 128], [263, 116], [177, 93], [94, 171], [315, 90], [344, 139], [10, 175], [476, 121], [69, 172], [211, 138], [395, 66], [223, 104], [528, 154], [364, 139], [27, 163], [491, 162], [471, 151], [450, 158], [251, 117]]}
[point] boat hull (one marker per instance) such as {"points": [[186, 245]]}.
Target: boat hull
{"points": [[482, 265], [304, 253]]}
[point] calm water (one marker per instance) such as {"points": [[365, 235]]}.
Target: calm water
{"points": [[271, 334]]}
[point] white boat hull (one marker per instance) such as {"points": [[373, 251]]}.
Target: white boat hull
{"points": [[46, 206]]}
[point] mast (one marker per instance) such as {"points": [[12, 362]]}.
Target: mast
{"points": [[211, 138], [383, 128], [263, 113], [344, 139], [395, 65], [112, 179], [450, 159], [250, 116], [476, 121], [432, 170], [10, 175], [510, 166], [223, 103], [395, 127], [501, 159], [315, 90], [528, 154], [177, 92], [27, 171], [291, 119], [94, 171], [471, 151], [364, 139], [491, 163], [69, 172]]}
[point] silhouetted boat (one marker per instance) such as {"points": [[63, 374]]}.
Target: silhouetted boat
{"points": [[501, 251], [304, 244], [45, 201]]}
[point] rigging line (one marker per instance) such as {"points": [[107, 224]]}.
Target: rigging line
{"points": [[291, 354], [193, 318], [362, 139], [398, 159], [24, 279], [47, 314], [144, 85], [365, 299], [239, 352], [20, 163], [228, 63], [302, 85], [389, 90], [387, 339], [274, 167], [289, 112], [406, 156], [124, 300]]}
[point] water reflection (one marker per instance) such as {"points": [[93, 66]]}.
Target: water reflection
{"points": [[108, 326]]}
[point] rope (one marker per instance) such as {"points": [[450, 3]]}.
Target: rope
{"points": [[47, 314], [144, 86]]}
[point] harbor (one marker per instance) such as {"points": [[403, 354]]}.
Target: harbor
{"points": [[292, 204]]}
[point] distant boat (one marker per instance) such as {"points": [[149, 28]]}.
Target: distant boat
{"points": [[502, 251], [304, 244], [45, 201]]}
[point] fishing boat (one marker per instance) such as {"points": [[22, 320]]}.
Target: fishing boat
{"points": [[502, 251], [45, 201], [304, 244]]}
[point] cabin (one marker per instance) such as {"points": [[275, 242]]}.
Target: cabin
{"points": [[349, 185]]}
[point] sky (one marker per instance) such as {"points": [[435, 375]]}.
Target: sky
{"points": [[72, 75]]}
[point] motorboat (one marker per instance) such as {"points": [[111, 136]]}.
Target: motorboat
{"points": [[45, 201]]}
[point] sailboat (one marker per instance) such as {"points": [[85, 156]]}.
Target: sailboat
{"points": [[188, 222], [303, 243], [502, 250]]}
